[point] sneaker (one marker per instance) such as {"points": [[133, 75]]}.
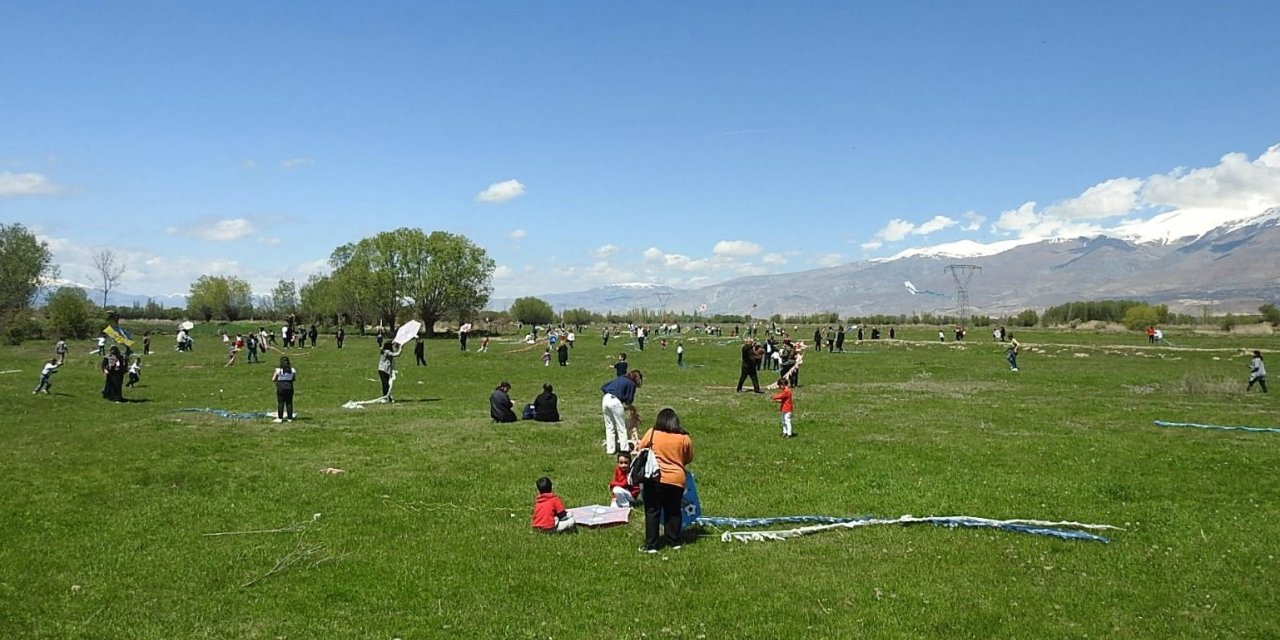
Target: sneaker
{"points": [[278, 420], [1015, 369], [647, 550]]}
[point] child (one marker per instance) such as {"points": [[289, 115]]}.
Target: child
{"points": [[549, 514], [284, 377], [783, 397], [484, 345], [51, 367], [546, 357], [135, 372], [1257, 372], [680, 353], [620, 367], [623, 493], [1011, 352]]}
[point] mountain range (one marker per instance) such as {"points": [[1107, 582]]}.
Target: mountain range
{"points": [[1234, 267]]}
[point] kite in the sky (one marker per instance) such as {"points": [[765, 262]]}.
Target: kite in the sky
{"points": [[914, 291]]}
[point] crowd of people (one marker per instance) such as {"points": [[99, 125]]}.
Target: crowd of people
{"points": [[665, 440]]}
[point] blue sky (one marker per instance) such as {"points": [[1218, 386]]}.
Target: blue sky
{"points": [[592, 143]]}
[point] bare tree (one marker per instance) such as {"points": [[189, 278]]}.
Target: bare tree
{"points": [[110, 268]]}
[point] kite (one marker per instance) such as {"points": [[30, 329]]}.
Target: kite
{"points": [[914, 291], [1162, 423], [407, 332], [1065, 530], [598, 515], [119, 335]]}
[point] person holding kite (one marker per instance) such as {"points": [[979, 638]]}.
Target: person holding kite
{"points": [[387, 367]]}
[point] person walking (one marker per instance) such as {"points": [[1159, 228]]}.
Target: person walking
{"points": [[50, 368], [284, 377], [419, 352], [340, 336], [1011, 352], [113, 370], [619, 393], [1257, 372], [673, 448], [60, 350], [750, 360]]}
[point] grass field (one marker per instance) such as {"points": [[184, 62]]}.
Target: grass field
{"points": [[105, 506]]}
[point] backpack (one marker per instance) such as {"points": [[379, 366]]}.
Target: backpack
{"points": [[528, 412], [644, 467]]}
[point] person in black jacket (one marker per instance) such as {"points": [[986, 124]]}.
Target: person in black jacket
{"points": [[546, 406], [500, 404]]}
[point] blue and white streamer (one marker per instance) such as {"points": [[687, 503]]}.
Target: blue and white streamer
{"points": [[1162, 423], [229, 414], [828, 523]]}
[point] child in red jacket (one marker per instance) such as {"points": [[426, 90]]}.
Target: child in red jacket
{"points": [[623, 493], [549, 514], [783, 398]]}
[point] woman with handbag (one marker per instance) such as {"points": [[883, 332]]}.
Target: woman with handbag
{"points": [[673, 449]]}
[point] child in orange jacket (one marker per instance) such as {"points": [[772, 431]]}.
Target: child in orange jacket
{"points": [[549, 514]]}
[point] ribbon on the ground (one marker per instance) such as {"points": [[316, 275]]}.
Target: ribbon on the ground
{"points": [[228, 414], [359, 404], [1162, 423], [828, 523]]}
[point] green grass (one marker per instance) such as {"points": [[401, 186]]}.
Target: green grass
{"points": [[104, 507]]}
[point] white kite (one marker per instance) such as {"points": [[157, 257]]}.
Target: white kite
{"points": [[407, 331]]}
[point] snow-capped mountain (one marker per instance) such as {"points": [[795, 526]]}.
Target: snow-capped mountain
{"points": [[1233, 264]]}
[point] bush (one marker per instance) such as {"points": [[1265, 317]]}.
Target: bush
{"points": [[22, 328]]}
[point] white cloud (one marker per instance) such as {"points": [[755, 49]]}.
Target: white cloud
{"points": [[217, 231], [774, 259], [736, 248], [294, 163], [501, 191], [937, 223], [27, 184], [517, 234], [1021, 219], [895, 230], [503, 271], [898, 229], [250, 164], [1234, 183], [604, 251], [1114, 197], [973, 221], [830, 259]]}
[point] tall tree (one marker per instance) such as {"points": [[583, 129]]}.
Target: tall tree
{"points": [[67, 313], [319, 299], [532, 310], [436, 274], [225, 298], [109, 268], [284, 298], [24, 263]]}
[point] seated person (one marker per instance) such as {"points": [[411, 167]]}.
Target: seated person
{"points": [[500, 405], [622, 492], [549, 514], [545, 406]]}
